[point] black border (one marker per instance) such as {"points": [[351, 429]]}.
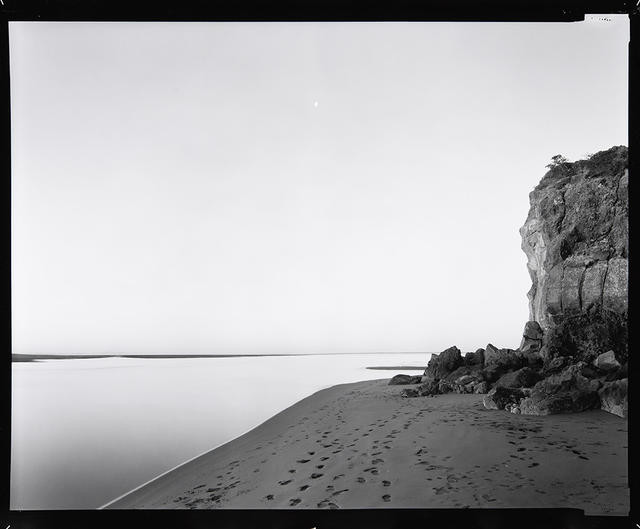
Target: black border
{"points": [[292, 10]]}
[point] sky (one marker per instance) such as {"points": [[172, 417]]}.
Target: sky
{"points": [[223, 188]]}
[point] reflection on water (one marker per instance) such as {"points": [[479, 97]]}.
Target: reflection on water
{"points": [[86, 431]]}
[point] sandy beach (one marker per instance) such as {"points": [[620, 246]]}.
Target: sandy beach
{"points": [[363, 446]]}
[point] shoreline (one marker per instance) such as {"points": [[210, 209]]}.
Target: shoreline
{"points": [[242, 437], [221, 445], [23, 357], [360, 445]]}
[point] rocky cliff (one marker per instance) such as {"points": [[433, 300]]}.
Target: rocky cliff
{"points": [[576, 240], [573, 354]]}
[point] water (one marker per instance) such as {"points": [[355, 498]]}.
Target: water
{"points": [[85, 431]]}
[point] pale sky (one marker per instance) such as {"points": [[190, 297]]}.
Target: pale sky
{"points": [[291, 188]]}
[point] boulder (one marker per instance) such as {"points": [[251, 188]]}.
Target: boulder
{"points": [[501, 361], [498, 398], [564, 392], [607, 362], [613, 397], [402, 379], [408, 393], [522, 378], [474, 359], [618, 374], [506, 359], [440, 365], [428, 388]]}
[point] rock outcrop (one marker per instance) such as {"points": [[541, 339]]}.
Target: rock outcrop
{"points": [[522, 378], [573, 354], [607, 362], [576, 241], [440, 365], [497, 362], [567, 391], [613, 397], [405, 379]]}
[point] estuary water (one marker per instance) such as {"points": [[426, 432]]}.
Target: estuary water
{"points": [[85, 431]]}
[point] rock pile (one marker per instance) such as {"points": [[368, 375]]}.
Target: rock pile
{"points": [[511, 383], [573, 354]]}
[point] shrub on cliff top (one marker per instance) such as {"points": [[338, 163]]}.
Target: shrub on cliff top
{"points": [[557, 160]]}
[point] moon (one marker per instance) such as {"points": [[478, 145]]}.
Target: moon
{"points": [[315, 104]]}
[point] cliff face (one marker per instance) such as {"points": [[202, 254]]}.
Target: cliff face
{"points": [[573, 355], [576, 241]]}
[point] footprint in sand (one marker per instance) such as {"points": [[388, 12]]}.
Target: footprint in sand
{"points": [[326, 503], [338, 476], [361, 480], [324, 458], [533, 465], [268, 497], [303, 460], [316, 475], [386, 483], [377, 461], [336, 493], [319, 466], [386, 497], [285, 482], [304, 487], [294, 501]]}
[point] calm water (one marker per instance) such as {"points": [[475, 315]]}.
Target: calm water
{"points": [[85, 431]]}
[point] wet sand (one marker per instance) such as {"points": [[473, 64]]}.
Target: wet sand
{"points": [[363, 446]]}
